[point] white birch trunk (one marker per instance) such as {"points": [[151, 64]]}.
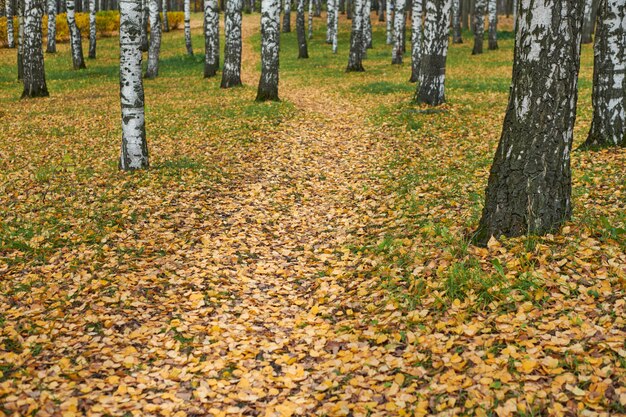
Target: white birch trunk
{"points": [[166, 22], [287, 17], [398, 25], [75, 38], [34, 73], [456, 22], [155, 40], [330, 5], [355, 59], [231, 74], [270, 46], [367, 26], [588, 22], [187, 7], [335, 25], [51, 46], [211, 38], [8, 7], [493, 24], [416, 40], [310, 19], [479, 26], [134, 153], [389, 22], [92, 29], [20, 39]]}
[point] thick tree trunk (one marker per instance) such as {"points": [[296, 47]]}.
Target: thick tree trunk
{"points": [[187, 7], [300, 29], [330, 5], [231, 74], [456, 22], [529, 189], [287, 17], [75, 38], [587, 22], [34, 73], [479, 26], [92, 29], [134, 154], [270, 47], [166, 22], [20, 39], [608, 126], [145, 18], [431, 88], [416, 40], [335, 27], [367, 26], [211, 38], [389, 22], [310, 19], [398, 29], [51, 46], [8, 7], [155, 40], [493, 25], [355, 59]]}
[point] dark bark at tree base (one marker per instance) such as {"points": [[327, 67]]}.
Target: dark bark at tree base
{"points": [[270, 94], [35, 92], [230, 82], [210, 71], [493, 45]]}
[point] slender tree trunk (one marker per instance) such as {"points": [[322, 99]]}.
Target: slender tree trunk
{"points": [[287, 17], [166, 22], [479, 26], [270, 47], [515, 9], [529, 189], [211, 38], [187, 7], [335, 27], [92, 29], [155, 40], [389, 22], [318, 8], [10, 30], [367, 26], [355, 59], [398, 31], [341, 6], [493, 25], [587, 22], [381, 10], [416, 40], [145, 18], [608, 126], [300, 29], [20, 39], [330, 5], [51, 46], [310, 19], [134, 154], [34, 73], [466, 6], [231, 74], [349, 9], [456, 22], [75, 38], [431, 86]]}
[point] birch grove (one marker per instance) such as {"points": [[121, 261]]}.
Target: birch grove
{"points": [[166, 22], [51, 46], [76, 44], [155, 40], [431, 86], [529, 188], [608, 126], [398, 31], [211, 38], [34, 77], [416, 39], [134, 152], [8, 8], [270, 46], [355, 58], [456, 22], [231, 73], [479, 26], [493, 25], [389, 23], [187, 8], [92, 29]]}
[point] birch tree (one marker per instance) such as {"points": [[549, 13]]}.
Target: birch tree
{"points": [[187, 8], [145, 18], [335, 26], [355, 59], [302, 46], [287, 17], [155, 40], [456, 22], [51, 46], [270, 46], [367, 26], [431, 86], [20, 39], [8, 8], [166, 22], [381, 10], [330, 5], [34, 73], [587, 22], [75, 39], [389, 22], [479, 26], [310, 19], [92, 29], [231, 74], [211, 38], [398, 26], [134, 153], [493, 24], [529, 188], [416, 39], [608, 126]]}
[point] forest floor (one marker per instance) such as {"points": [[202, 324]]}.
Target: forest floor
{"points": [[306, 257]]}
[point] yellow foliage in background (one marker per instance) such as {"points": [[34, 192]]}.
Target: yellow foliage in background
{"points": [[107, 24]]}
